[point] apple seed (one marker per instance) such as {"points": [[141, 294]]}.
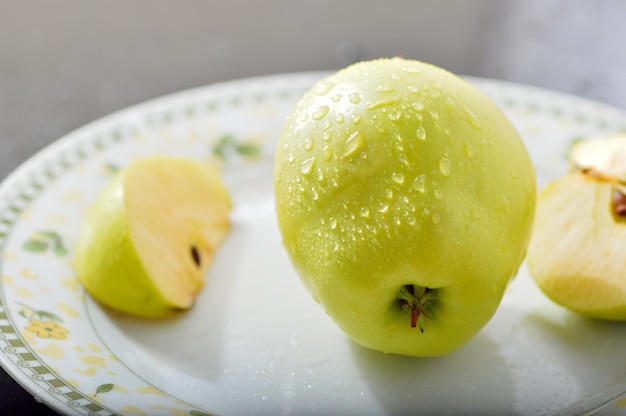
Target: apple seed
{"points": [[195, 254], [416, 302], [619, 203]]}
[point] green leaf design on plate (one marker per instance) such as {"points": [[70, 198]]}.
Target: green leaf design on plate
{"points": [[104, 388], [29, 312], [248, 149], [228, 144], [198, 413], [48, 315], [43, 240], [35, 246], [111, 168]]}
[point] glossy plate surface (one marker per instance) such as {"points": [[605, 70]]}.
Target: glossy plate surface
{"points": [[256, 343]]}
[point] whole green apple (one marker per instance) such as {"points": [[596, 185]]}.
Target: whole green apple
{"points": [[405, 199], [148, 238]]}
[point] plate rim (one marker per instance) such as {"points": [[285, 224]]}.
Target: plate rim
{"points": [[19, 176]]}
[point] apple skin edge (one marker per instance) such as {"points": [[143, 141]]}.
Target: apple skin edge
{"points": [[392, 174], [106, 257]]}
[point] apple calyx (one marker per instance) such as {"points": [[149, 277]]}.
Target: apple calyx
{"points": [[416, 299]]}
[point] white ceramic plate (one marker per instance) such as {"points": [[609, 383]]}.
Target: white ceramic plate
{"points": [[256, 343]]}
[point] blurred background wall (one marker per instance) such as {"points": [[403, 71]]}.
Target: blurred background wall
{"points": [[64, 63]]}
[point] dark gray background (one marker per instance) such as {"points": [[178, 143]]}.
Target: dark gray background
{"points": [[64, 63]]}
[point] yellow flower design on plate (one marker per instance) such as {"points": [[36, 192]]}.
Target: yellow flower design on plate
{"points": [[47, 329]]}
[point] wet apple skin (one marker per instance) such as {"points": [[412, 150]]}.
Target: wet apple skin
{"points": [[395, 172]]}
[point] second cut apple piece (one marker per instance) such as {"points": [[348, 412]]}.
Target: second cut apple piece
{"points": [[576, 253]]}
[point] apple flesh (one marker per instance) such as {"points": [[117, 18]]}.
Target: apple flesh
{"points": [[405, 199], [576, 254], [148, 239]]}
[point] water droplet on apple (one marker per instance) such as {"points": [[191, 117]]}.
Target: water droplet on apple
{"points": [[383, 207], [434, 114], [397, 178], [469, 150], [307, 165], [355, 119], [336, 98], [450, 103], [419, 183], [394, 116], [381, 103], [320, 175], [355, 142], [332, 223], [339, 118], [438, 194], [473, 118], [384, 88], [436, 218], [420, 133], [418, 105], [355, 98], [395, 77], [324, 87], [320, 112], [364, 212], [327, 154], [411, 220], [389, 193], [445, 166], [308, 144], [403, 159]]}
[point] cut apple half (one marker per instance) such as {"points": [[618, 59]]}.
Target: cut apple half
{"points": [[576, 253], [148, 239]]}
